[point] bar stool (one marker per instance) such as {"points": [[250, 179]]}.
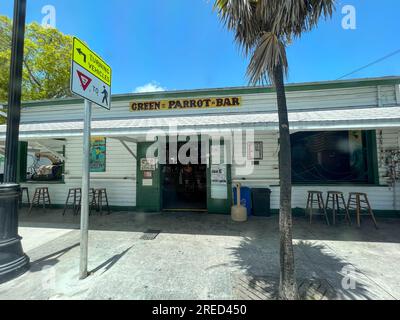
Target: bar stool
{"points": [[99, 195], [26, 190], [41, 196], [315, 198], [359, 202], [335, 202], [76, 195]]}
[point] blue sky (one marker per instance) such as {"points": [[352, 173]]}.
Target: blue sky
{"points": [[180, 44]]}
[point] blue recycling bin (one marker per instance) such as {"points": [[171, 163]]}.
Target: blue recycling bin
{"points": [[245, 201]]}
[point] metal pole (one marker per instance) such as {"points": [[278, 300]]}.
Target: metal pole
{"points": [[85, 191], [14, 92], [13, 261]]}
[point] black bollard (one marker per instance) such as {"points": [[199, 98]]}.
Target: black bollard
{"points": [[13, 261]]}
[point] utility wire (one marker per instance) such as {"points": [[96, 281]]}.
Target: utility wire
{"points": [[371, 64]]}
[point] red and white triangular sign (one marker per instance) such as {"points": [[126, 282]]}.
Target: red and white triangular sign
{"points": [[84, 79]]}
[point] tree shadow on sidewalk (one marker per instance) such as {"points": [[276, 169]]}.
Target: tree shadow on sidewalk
{"points": [[321, 274]]}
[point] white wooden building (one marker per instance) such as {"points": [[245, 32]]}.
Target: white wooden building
{"points": [[318, 113]]}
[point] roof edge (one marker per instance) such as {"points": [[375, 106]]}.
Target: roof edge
{"points": [[290, 87]]}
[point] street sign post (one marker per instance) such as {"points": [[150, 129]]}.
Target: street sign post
{"points": [[91, 80], [90, 75]]}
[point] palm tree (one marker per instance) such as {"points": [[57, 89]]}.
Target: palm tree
{"points": [[264, 28]]}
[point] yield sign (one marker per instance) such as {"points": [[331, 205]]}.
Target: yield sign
{"points": [[84, 79]]}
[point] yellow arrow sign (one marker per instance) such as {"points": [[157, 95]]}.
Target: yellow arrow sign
{"points": [[89, 60]]}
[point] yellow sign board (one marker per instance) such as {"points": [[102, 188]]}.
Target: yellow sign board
{"points": [[90, 61], [186, 104]]}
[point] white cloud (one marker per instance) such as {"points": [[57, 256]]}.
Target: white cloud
{"points": [[150, 87]]}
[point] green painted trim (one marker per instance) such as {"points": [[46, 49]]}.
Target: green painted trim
{"points": [[30, 182], [325, 85], [296, 212], [112, 208], [343, 184], [219, 206], [372, 146], [148, 198], [300, 212]]}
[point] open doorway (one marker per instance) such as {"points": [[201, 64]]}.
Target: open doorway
{"points": [[184, 186]]}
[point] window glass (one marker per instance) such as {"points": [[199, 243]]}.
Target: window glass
{"points": [[326, 157], [44, 165]]}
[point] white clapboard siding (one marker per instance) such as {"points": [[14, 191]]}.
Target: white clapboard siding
{"points": [[119, 178], [268, 167], [387, 95], [381, 198], [297, 100]]}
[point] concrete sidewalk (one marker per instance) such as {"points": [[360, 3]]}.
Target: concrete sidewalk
{"points": [[200, 256]]}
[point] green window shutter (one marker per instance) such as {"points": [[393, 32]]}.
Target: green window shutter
{"points": [[22, 161], [372, 150]]}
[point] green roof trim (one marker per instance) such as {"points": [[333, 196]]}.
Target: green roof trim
{"points": [[325, 85]]}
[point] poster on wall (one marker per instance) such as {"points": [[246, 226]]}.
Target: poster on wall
{"points": [[218, 174], [148, 164], [98, 150], [255, 151], [219, 182]]}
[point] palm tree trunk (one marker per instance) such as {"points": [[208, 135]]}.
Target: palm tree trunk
{"points": [[288, 286]]}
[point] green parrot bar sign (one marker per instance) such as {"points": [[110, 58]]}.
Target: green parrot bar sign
{"points": [[186, 104]]}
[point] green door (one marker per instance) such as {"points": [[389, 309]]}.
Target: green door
{"points": [[148, 189], [219, 193]]}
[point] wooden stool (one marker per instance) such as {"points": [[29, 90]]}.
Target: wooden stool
{"points": [[98, 200], [22, 195], [76, 194], [335, 202], [315, 197], [359, 202], [92, 200], [41, 196]]}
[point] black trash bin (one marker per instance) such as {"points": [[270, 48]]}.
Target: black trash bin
{"points": [[261, 202]]}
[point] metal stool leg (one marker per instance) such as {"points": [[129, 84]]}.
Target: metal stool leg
{"points": [[35, 199], [322, 207], [74, 206], [311, 208], [101, 202], [308, 203], [66, 203], [347, 213], [79, 201], [29, 200], [358, 211], [48, 197], [108, 206], [371, 212], [333, 209]]}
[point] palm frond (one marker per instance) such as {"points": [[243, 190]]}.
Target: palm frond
{"points": [[268, 54], [264, 27]]}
